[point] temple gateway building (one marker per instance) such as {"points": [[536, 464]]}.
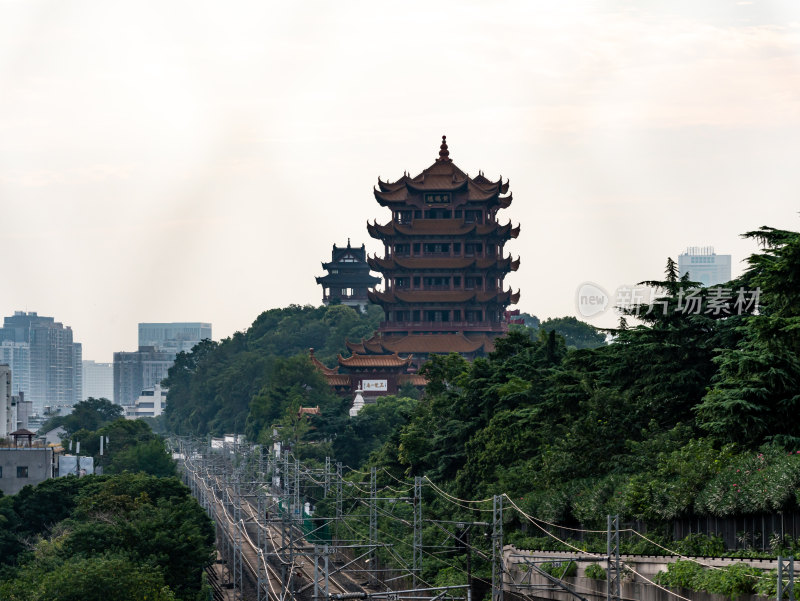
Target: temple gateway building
{"points": [[443, 268]]}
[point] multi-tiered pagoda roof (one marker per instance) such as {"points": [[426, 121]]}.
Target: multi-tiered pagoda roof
{"points": [[443, 267], [348, 277]]}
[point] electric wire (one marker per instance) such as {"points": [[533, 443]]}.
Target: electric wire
{"points": [[550, 534], [448, 564]]}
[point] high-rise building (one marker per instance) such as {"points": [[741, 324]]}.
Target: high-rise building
{"points": [[159, 343], [98, 380], [135, 371], [348, 277], [705, 266], [55, 360], [175, 337], [17, 355]]}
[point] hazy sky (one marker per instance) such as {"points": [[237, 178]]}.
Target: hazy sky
{"points": [[195, 161]]}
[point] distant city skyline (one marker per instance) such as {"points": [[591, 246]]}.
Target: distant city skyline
{"points": [[159, 164]]}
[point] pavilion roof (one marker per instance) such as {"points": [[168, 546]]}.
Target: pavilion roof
{"points": [[442, 227], [23, 432], [320, 365], [392, 360], [337, 379], [442, 176], [445, 263], [413, 379], [356, 278], [443, 296], [438, 343]]}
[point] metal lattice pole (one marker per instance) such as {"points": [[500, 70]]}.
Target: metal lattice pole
{"points": [[417, 536], [326, 588], [298, 509], [290, 512], [316, 572], [263, 595], [785, 571], [497, 548], [613, 583], [338, 497], [237, 542], [327, 477], [373, 521]]}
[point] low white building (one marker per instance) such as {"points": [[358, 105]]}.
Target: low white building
{"points": [[151, 403]]}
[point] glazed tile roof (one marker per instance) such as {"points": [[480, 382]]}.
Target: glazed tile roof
{"points": [[393, 360], [443, 296], [413, 379], [320, 365], [337, 379], [442, 263], [441, 227], [353, 279], [364, 347], [442, 176], [437, 343]]}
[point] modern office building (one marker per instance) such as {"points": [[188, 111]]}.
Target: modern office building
{"points": [[159, 343], [98, 380], [175, 337], [135, 371], [56, 377], [705, 266], [17, 355]]}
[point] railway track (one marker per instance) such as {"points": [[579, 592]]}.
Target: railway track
{"points": [[257, 558]]}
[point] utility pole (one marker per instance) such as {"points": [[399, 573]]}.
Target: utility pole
{"points": [[237, 541], [416, 567], [613, 584], [785, 570], [462, 542], [497, 548], [327, 479], [298, 508], [338, 497], [373, 522]]}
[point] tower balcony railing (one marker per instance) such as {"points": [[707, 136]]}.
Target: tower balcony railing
{"points": [[433, 326]]}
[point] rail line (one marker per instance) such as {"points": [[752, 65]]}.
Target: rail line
{"points": [[258, 562]]}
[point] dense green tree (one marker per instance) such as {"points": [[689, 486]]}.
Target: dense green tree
{"points": [[577, 334], [374, 425], [294, 383], [97, 578], [755, 394], [150, 457], [152, 525], [212, 388], [86, 415]]}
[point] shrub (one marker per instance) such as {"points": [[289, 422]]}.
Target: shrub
{"points": [[730, 581], [559, 570], [596, 571]]}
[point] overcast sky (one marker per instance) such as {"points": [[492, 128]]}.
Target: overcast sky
{"points": [[195, 161]]}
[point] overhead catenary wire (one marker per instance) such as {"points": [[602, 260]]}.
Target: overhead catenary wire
{"points": [[469, 505], [550, 534]]}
